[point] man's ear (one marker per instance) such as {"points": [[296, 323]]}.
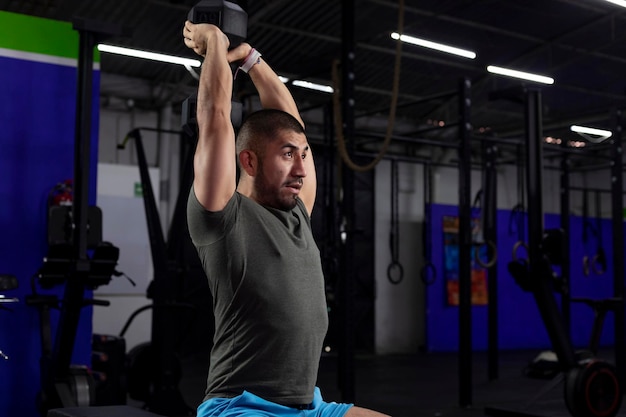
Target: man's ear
{"points": [[248, 161]]}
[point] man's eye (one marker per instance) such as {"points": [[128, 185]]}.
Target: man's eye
{"points": [[288, 154]]}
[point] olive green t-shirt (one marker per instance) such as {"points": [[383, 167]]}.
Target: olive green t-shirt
{"points": [[265, 275]]}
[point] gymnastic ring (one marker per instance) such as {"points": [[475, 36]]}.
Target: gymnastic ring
{"points": [[491, 262], [393, 265], [594, 265], [516, 246], [586, 268], [428, 274]]}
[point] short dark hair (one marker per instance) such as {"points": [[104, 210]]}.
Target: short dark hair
{"points": [[262, 126]]}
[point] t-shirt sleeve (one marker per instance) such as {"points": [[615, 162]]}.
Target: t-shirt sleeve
{"points": [[206, 227]]}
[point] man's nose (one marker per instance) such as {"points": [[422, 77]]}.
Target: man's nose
{"points": [[299, 169]]}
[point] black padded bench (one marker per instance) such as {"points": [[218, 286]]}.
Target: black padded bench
{"points": [[102, 411]]}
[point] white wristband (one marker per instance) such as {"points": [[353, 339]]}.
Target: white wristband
{"points": [[253, 58]]}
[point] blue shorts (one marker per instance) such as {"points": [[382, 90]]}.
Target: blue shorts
{"points": [[249, 405]]}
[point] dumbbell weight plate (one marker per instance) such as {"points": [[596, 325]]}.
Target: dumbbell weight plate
{"points": [[229, 17]]}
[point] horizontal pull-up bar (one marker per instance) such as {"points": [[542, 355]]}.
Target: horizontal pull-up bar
{"points": [[158, 130], [416, 160], [595, 190], [433, 97], [407, 139], [509, 142]]}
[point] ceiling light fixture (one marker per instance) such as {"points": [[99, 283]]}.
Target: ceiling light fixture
{"points": [[434, 45], [312, 86], [189, 63], [598, 135], [618, 2], [137, 53], [520, 74]]}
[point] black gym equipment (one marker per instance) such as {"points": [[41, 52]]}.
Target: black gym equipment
{"points": [[7, 283], [489, 205], [428, 273], [153, 369], [517, 223], [233, 21], [517, 219], [77, 387], [62, 384], [592, 386], [347, 268], [598, 262], [395, 271], [484, 227], [108, 354], [229, 17], [150, 372], [465, 245]]}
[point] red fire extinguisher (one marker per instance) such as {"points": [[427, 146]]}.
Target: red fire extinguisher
{"points": [[62, 194]]}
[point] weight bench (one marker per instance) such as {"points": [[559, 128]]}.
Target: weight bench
{"points": [[101, 411]]}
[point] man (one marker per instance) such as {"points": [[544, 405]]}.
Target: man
{"points": [[255, 242]]}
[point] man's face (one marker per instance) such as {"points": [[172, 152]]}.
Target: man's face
{"points": [[281, 171]]}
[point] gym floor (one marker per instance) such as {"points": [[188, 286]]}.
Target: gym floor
{"points": [[426, 385]]}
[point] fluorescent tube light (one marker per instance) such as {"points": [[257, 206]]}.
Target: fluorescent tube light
{"points": [[591, 131], [520, 74], [137, 53], [618, 2], [313, 86], [188, 63], [434, 45], [599, 135]]}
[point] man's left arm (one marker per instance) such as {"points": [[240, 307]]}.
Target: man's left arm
{"points": [[274, 94]]}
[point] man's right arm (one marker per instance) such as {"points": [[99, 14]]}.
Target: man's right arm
{"points": [[214, 159]]}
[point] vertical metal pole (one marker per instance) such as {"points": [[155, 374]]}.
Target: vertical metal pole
{"points": [[534, 159], [330, 174], [75, 287], [161, 289], [539, 273], [165, 398], [465, 248], [617, 223], [346, 361], [490, 232], [565, 226]]}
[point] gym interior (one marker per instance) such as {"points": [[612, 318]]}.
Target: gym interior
{"points": [[470, 222]]}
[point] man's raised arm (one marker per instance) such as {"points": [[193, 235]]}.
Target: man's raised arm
{"points": [[275, 95], [214, 160]]}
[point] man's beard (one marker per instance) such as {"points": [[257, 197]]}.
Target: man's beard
{"points": [[269, 195]]}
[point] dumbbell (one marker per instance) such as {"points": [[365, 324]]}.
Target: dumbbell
{"points": [[233, 21], [229, 17]]}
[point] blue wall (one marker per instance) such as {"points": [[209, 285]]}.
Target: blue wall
{"points": [[519, 322], [37, 122]]}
